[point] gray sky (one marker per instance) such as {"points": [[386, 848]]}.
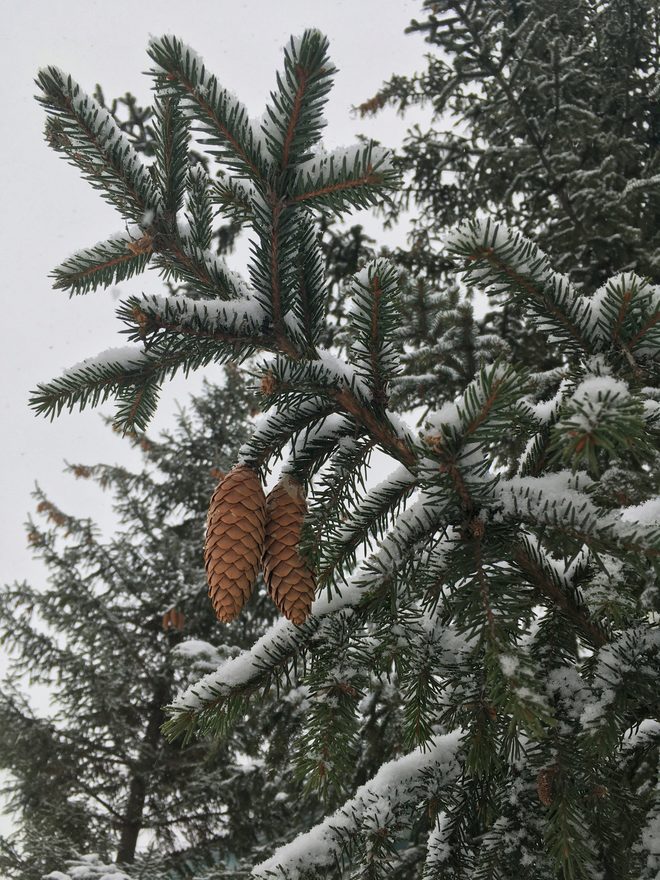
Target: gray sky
{"points": [[49, 211]]}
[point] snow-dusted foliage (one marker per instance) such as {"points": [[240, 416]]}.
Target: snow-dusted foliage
{"points": [[538, 115], [497, 593], [89, 867], [121, 626]]}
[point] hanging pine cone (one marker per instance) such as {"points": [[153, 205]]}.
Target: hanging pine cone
{"points": [[290, 581], [544, 784], [173, 619], [235, 531]]}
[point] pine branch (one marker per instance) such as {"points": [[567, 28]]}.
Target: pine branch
{"points": [[312, 447], [288, 284], [547, 584], [273, 265], [133, 376], [222, 117], [171, 151], [326, 750], [506, 261], [81, 129], [94, 381], [199, 213], [627, 313], [345, 179], [554, 502], [213, 703], [206, 272], [359, 522], [310, 302], [235, 198], [398, 783], [328, 377], [293, 122], [109, 262], [373, 320], [235, 326]]}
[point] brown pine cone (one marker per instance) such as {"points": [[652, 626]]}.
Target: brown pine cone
{"points": [[235, 530], [545, 783], [291, 583], [174, 619]]}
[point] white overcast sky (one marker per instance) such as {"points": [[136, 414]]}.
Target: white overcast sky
{"points": [[48, 211]]}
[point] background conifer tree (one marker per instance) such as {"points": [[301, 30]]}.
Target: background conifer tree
{"points": [[507, 592], [122, 623], [544, 116]]}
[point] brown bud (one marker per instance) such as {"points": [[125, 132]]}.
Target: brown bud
{"points": [[142, 245], [174, 619], [268, 383], [544, 784]]}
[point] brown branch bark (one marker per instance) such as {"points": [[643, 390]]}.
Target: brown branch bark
{"points": [[303, 77], [367, 179]]}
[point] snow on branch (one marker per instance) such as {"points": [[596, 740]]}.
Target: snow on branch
{"points": [[86, 132], [506, 262], [230, 321], [398, 784], [647, 731], [116, 259], [558, 500], [631, 653], [321, 374], [353, 177], [93, 380], [625, 313], [312, 446], [292, 122], [486, 409], [275, 428], [88, 867], [284, 639], [223, 118]]}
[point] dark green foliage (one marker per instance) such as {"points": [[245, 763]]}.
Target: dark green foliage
{"points": [[545, 116], [171, 153], [286, 301], [91, 772], [293, 120], [85, 133], [108, 262]]}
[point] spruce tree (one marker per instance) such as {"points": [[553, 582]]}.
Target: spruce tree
{"points": [[121, 625], [501, 579], [545, 115]]}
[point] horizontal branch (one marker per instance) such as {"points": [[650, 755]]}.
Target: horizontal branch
{"points": [[399, 783]]}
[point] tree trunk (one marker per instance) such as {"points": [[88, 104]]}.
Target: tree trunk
{"points": [[137, 792]]}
